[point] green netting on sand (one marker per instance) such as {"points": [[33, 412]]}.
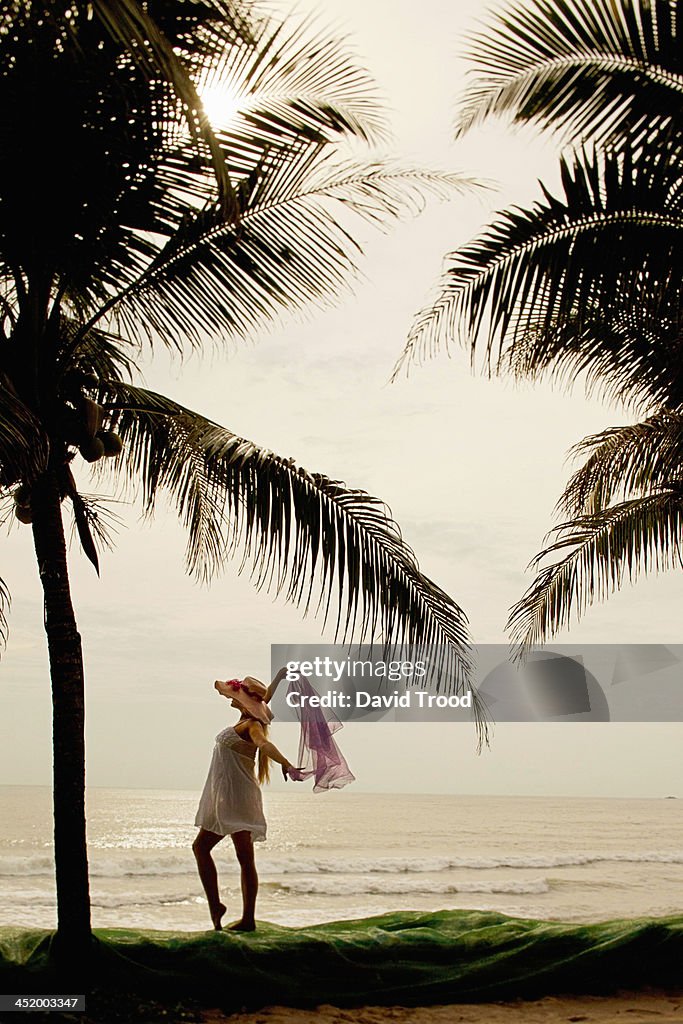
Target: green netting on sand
{"points": [[405, 957]]}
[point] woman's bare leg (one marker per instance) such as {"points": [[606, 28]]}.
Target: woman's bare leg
{"points": [[202, 847], [244, 848]]}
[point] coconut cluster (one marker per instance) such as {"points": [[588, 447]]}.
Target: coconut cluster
{"points": [[80, 424], [95, 442], [22, 504], [105, 443]]}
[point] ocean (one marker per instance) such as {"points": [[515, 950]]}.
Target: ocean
{"points": [[341, 854]]}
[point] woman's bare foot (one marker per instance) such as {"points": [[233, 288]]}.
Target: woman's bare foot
{"points": [[242, 926], [216, 916]]}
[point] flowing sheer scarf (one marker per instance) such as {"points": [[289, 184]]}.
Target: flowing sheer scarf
{"points": [[319, 755]]}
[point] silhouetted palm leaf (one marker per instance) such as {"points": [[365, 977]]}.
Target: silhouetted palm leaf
{"points": [[606, 68], [625, 462], [291, 245], [104, 353], [5, 604], [636, 536], [558, 286], [641, 467], [296, 529], [93, 521], [294, 81], [24, 445]]}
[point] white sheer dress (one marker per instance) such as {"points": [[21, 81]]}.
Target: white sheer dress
{"points": [[231, 800]]}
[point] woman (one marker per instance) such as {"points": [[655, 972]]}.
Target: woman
{"points": [[231, 803]]}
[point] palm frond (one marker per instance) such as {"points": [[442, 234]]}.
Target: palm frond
{"points": [[298, 531], [292, 245], [5, 605], [93, 521], [600, 68], [105, 353], [24, 446], [625, 462], [295, 81], [536, 282], [640, 535], [628, 351], [95, 524]]}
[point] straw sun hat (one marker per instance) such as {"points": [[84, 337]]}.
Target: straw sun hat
{"points": [[249, 695]]}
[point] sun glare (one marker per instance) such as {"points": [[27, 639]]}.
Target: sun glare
{"points": [[220, 104]]}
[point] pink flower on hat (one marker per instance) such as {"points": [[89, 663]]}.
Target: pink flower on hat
{"points": [[236, 684]]}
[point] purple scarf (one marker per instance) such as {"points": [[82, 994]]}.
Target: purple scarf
{"points": [[319, 754]]}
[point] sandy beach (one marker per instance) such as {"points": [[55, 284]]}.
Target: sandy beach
{"points": [[665, 1007]]}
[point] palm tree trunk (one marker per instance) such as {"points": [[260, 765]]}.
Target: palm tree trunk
{"points": [[73, 937]]}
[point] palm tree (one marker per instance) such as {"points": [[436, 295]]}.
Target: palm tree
{"points": [[126, 218], [590, 283]]}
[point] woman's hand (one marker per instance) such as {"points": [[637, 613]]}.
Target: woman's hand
{"points": [[295, 774], [277, 679]]}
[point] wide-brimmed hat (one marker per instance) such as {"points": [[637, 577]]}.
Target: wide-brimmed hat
{"points": [[249, 695]]}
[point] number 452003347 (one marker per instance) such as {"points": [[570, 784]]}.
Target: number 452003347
{"points": [[33, 1002]]}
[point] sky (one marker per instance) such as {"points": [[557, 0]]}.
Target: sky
{"points": [[470, 467]]}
